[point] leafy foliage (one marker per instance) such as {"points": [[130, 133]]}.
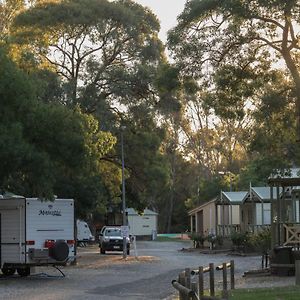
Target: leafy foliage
{"points": [[261, 241], [45, 146]]}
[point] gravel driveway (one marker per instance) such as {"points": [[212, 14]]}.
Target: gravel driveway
{"points": [[109, 277]]}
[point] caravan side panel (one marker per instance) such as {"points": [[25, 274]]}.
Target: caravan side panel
{"points": [[12, 212]]}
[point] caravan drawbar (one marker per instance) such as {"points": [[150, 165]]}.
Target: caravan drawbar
{"points": [[35, 233]]}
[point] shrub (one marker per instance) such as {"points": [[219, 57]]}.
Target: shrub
{"points": [[261, 241], [215, 240], [198, 239], [240, 239]]}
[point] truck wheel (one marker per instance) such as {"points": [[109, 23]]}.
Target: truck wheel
{"points": [[23, 272], [8, 271], [102, 251]]}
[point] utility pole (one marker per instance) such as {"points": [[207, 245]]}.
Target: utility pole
{"points": [[123, 194]]}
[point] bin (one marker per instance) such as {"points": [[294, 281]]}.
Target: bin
{"points": [[282, 261]]}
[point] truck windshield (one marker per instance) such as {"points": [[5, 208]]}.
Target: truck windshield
{"points": [[113, 232]]}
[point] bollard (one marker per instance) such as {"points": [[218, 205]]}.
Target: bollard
{"points": [[211, 279], [224, 292], [201, 282], [187, 278], [181, 281], [232, 274], [194, 288]]}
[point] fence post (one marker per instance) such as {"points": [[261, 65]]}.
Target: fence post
{"points": [[225, 292], [187, 278], [232, 275], [212, 279], [297, 272], [194, 288], [181, 280], [201, 282]]}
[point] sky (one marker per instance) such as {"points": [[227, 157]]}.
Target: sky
{"points": [[166, 11]]}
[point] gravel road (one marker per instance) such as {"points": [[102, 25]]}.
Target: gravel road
{"points": [[108, 277]]}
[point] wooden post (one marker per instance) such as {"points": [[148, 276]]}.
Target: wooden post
{"points": [[273, 226], [282, 216], [278, 216], [181, 280], [216, 219], [194, 288], [201, 282], [212, 279], [297, 272], [224, 292], [262, 213], [187, 278], [232, 274]]}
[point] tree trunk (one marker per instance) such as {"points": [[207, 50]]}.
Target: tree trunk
{"points": [[291, 65], [172, 196]]}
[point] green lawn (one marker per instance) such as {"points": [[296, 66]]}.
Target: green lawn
{"points": [[282, 293]]}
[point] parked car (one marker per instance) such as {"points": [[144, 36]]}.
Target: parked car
{"points": [[110, 239], [84, 234]]}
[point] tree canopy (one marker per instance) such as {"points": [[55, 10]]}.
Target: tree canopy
{"points": [[76, 74], [104, 50], [213, 33], [45, 144]]}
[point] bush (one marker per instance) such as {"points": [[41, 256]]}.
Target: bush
{"points": [[239, 239], [215, 240], [198, 239], [219, 240], [261, 241]]}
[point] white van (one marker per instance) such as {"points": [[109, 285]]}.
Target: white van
{"points": [[84, 234], [35, 233]]}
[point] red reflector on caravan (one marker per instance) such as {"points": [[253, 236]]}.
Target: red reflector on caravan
{"points": [[30, 242], [70, 242], [49, 243]]}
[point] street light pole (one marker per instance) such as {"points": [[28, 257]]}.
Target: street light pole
{"points": [[123, 194]]}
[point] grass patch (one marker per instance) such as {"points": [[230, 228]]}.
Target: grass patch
{"points": [[280, 293]]}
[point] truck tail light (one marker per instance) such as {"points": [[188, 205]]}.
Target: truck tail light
{"points": [[70, 242], [30, 242], [49, 244]]}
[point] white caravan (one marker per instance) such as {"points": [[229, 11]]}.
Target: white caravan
{"points": [[84, 234], [35, 233]]}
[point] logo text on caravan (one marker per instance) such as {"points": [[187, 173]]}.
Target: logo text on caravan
{"points": [[50, 212]]}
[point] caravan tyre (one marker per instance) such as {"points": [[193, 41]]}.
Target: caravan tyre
{"points": [[23, 272], [8, 271], [60, 251]]}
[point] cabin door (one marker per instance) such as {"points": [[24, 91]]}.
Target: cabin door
{"points": [[200, 222]]}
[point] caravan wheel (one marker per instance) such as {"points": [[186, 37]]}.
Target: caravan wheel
{"points": [[23, 271], [8, 271]]}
